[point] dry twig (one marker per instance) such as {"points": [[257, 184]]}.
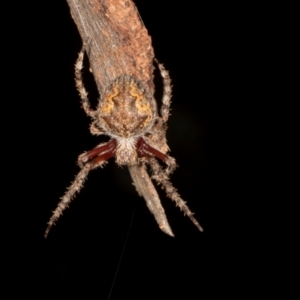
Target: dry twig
{"points": [[121, 58]]}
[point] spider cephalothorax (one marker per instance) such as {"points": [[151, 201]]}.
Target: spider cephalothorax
{"points": [[127, 112]]}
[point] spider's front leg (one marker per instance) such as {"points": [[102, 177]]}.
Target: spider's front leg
{"points": [[161, 177], [145, 150], [89, 161], [103, 152]]}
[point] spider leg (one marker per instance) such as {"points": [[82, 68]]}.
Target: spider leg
{"points": [[80, 86], [167, 94], [95, 129], [102, 149], [77, 184], [161, 177], [144, 149]]}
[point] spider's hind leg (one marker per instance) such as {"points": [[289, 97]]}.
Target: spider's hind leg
{"points": [[167, 93], [80, 86]]}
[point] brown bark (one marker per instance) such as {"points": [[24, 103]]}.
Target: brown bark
{"points": [[119, 43], [145, 188]]}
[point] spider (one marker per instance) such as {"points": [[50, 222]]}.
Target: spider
{"points": [[127, 112]]}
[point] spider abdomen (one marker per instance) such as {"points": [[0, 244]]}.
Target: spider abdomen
{"points": [[127, 109]]}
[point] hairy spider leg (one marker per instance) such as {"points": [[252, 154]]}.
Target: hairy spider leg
{"points": [[167, 92], [144, 149], [94, 128], [101, 149], [80, 86], [104, 153], [162, 178]]}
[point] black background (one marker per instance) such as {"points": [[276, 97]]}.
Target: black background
{"points": [[211, 54]]}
